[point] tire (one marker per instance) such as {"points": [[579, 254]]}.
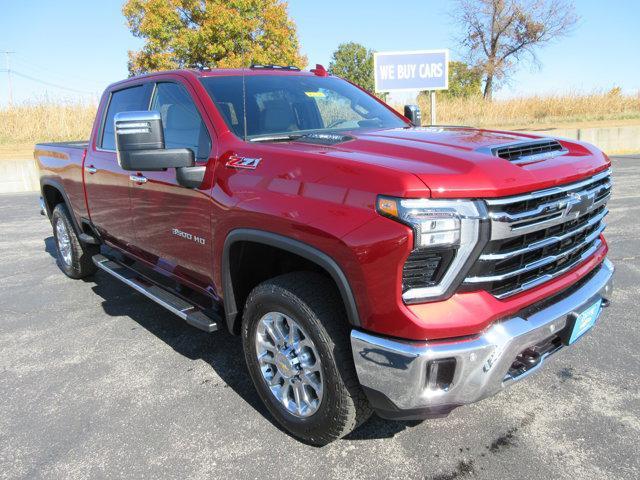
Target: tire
{"points": [[74, 259], [311, 302]]}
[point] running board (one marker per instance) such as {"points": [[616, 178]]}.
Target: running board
{"points": [[175, 304]]}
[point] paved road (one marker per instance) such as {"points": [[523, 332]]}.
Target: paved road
{"points": [[96, 381]]}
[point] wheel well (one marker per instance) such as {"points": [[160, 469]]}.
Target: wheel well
{"points": [[52, 197], [251, 263]]}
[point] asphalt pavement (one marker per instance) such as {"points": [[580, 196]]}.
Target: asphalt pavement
{"points": [[96, 381]]}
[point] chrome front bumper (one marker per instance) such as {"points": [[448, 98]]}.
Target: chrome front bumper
{"points": [[394, 374]]}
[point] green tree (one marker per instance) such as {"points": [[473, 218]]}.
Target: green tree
{"points": [[353, 62], [211, 33], [464, 81]]}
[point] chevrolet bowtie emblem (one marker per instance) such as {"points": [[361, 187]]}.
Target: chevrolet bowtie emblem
{"points": [[578, 204]]}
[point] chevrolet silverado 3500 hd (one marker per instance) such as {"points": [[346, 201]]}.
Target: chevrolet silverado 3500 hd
{"points": [[367, 263]]}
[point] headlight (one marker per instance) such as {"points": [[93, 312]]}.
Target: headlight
{"points": [[447, 234]]}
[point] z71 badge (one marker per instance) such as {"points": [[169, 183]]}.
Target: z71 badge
{"points": [[244, 163]]}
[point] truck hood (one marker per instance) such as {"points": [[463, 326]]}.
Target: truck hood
{"points": [[458, 162]]}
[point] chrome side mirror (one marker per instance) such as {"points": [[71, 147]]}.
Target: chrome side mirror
{"points": [[140, 143]]}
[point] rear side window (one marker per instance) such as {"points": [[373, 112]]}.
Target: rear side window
{"points": [[182, 123], [127, 100]]}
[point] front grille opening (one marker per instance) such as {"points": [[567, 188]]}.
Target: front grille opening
{"points": [[525, 260], [514, 283], [498, 267], [532, 356], [425, 268], [440, 374], [529, 151], [515, 243]]}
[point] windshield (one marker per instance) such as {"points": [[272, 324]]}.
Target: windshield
{"points": [[281, 106]]}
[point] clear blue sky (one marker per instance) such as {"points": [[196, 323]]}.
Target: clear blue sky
{"points": [[83, 45]]}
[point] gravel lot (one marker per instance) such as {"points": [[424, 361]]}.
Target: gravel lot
{"points": [[96, 381]]}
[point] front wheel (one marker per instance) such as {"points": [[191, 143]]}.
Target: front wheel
{"points": [[297, 349]]}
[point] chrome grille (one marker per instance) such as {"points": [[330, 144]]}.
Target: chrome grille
{"points": [[538, 236]]}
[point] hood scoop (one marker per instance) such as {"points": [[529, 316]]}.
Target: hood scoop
{"points": [[527, 152]]}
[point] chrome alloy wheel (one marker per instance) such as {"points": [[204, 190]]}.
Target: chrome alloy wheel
{"points": [[64, 243], [289, 363]]}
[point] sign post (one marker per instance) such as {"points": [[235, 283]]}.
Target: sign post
{"points": [[412, 71]]}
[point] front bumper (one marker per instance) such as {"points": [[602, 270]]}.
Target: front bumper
{"points": [[395, 374]]}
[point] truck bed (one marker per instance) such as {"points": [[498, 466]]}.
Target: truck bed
{"points": [[77, 144], [60, 164]]}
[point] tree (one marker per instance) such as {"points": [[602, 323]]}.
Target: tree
{"points": [[211, 33], [500, 33], [353, 62], [464, 81]]}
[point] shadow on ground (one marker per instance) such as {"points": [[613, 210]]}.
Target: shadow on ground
{"points": [[221, 350]]}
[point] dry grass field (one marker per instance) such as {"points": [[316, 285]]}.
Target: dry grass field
{"points": [[23, 125], [536, 111]]}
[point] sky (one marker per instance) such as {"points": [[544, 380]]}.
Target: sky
{"points": [[72, 49]]}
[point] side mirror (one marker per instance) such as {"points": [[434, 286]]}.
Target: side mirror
{"points": [[140, 147], [140, 144], [412, 112]]}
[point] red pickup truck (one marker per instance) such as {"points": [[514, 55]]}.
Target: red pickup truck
{"points": [[369, 264]]}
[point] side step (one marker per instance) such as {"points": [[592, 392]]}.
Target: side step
{"points": [[175, 304]]}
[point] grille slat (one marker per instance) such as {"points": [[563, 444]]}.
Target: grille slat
{"points": [[521, 256]]}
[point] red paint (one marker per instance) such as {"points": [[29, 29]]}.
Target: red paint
{"points": [[321, 195]]}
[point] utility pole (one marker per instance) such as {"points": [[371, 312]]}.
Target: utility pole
{"points": [[8, 64]]}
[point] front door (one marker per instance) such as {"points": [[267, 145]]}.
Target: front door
{"points": [[173, 223]]}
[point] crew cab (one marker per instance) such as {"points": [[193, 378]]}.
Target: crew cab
{"points": [[369, 263]]}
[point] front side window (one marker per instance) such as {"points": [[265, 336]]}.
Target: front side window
{"points": [[283, 104], [127, 100], [182, 123]]}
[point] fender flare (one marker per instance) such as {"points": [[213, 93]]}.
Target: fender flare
{"points": [[290, 245], [58, 186]]}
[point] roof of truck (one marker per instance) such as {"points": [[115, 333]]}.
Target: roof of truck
{"points": [[217, 72]]}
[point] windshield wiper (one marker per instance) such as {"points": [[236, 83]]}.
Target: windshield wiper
{"points": [[277, 138]]}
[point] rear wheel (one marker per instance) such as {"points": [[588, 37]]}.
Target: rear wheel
{"points": [[297, 349], [74, 259]]}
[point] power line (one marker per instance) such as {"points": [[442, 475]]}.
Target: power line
{"points": [[26, 65], [55, 85]]}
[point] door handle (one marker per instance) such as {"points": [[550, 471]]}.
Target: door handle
{"points": [[91, 169], [138, 178]]}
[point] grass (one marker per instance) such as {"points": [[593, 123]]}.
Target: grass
{"points": [[536, 111], [23, 125]]}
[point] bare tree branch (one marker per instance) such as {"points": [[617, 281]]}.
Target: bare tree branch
{"points": [[500, 33]]}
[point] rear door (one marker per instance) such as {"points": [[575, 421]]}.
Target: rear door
{"points": [[172, 223], [108, 185]]}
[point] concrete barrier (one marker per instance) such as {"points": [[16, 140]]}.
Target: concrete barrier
{"points": [[18, 176], [22, 175], [625, 139]]}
